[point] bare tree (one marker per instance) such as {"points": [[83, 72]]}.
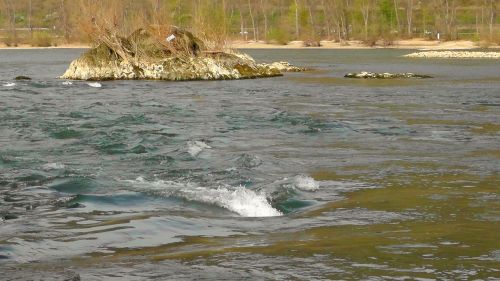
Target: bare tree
{"points": [[326, 13], [493, 14], [409, 16], [296, 19], [252, 20], [264, 7], [446, 10], [396, 11], [366, 8]]}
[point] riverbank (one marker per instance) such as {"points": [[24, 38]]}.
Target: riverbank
{"points": [[417, 43], [62, 46]]}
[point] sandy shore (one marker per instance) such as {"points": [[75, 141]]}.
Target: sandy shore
{"points": [[454, 55], [420, 44]]}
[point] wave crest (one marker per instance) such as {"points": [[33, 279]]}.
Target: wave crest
{"points": [[240, 200]]}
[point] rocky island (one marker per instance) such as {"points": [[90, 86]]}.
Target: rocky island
{"points": [[455, 55], [385, 75], [180, 56]]}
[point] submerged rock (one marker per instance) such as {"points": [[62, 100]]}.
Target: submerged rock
{"points": [[22, 77], [373, 75], [8, 216], [284, 66], [142, 56]]}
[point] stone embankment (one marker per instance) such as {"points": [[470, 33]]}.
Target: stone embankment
{"points": [[373, 75], [455, 55], [141, 56]]}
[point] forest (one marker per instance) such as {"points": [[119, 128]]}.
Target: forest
{"points": [[54, 22]]}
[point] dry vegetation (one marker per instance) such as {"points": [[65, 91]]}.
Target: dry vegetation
{"points": [[52, 22]]}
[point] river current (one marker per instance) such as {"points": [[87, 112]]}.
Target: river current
{"points": [[310, 176]]}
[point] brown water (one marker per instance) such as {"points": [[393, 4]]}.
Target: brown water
{"points": [[310, 176]]}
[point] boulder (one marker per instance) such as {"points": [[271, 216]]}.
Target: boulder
{"points": [[284, 66], [373, 75], [180, 56]]}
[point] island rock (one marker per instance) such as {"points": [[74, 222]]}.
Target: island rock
{"points": [[373, 75], [141, 56]]}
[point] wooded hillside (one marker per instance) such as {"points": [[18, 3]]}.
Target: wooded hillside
{"points": [[52, 22]]}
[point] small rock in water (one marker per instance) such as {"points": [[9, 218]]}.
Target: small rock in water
{"points": [[385, 75], [66, 202], [22, 77], [10, 217], [95, 85], [248, 161], [284, 66], [71, 276], [75, 206]]}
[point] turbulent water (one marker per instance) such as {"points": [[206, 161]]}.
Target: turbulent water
{"points": [[310, 176]]}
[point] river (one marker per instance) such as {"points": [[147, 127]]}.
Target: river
{"points": [[310, 176]]}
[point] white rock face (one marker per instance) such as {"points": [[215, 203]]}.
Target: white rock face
{"points": [[454, 54], [385, 75], [284, 66], [227, 66]]}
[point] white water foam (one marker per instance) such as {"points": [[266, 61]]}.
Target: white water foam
{"points": [[53, 166], [9, 84], [95, 85], [244, 202], [306, 183], [196, 147], [67, 83]]}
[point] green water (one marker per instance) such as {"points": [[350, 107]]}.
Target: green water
{"points": [[309, 176]]}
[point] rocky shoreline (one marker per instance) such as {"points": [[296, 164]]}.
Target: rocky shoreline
{"points": [[385, 75], [454, 54]]}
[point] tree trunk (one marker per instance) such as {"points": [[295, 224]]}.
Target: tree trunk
{"points": [[327, 20], [296, 19], [365, 11], [253, 21], [264, 12], [396, 8], [492, 17], [311, 19], [409, 16]]}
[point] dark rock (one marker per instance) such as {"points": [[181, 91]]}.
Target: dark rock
{"points": [[75, 205], [71, 276], [10, 217], [11, 199], [248, 161], [22, 77]]}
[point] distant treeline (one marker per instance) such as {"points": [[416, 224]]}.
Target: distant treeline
{"points": [[50, 22]]}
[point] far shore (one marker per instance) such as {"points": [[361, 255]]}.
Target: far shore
{"points": [[420, 44]]}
